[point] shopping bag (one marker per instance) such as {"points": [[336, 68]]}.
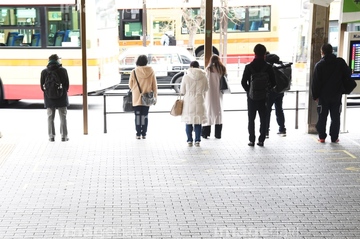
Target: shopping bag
{"points": [[127, 102], [177, 108]]}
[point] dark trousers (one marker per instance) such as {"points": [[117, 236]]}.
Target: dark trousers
{"points": [[323, 108], [253, 107], [141, 119], [206, 131], [277, 99]]}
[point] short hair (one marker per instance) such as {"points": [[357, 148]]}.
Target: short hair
{"points": [[142, 60], [260, 50], [327, 49], [194, 64], [54, 57]]}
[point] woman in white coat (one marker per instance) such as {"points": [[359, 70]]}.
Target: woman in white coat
{"points": [[214, 97], [193, 86]]}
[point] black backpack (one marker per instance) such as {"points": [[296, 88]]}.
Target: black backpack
{"points": [[52, 86], [259, 83], [283, 74], [172, 41]]}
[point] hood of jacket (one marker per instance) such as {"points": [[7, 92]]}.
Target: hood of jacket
{"points": [[196, 73], [144, 71], [53, 66]]}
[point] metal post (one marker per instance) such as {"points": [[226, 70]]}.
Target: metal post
{"points": [[84, 65], [297, 110], [105, 125]]}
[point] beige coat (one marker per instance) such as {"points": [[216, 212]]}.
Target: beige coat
{"points": [[193, 86], [147, 81], [214, 99]]}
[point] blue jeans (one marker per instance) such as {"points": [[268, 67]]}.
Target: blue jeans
{"points": [[277, 99], [189, 129], [63, 124], [141, 119]]}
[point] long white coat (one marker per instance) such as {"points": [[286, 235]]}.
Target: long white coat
{"points": [[214, 99], [193, 86]]}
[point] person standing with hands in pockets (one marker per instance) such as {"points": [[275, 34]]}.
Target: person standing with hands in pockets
{"points": [[193, 86]]}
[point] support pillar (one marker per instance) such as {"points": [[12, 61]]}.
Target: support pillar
{"points": [[319, 36], [208, 30]]}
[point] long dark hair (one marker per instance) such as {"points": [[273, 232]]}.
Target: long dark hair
{"points": [[215, 63]]}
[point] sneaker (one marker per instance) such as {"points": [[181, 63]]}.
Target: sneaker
{"points": [[267, 135], [190, 144], [138, 137], [321, 140], [51, 139], [64, 139], [252, 144], [143, 137], [282, 133], [261, 144], [335, 141], [197, 143]]}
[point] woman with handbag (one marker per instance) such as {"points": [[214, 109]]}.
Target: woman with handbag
{"points": [[193, 86], [214, 97], [142, 81]]}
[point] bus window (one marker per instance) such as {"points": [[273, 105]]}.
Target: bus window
{"points": [[63, 27]]}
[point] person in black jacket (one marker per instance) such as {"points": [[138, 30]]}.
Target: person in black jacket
{"points": [[61, 103], [254, 106], [327, 89]]}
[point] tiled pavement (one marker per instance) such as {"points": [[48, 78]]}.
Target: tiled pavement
{"points": [[114, 186]]}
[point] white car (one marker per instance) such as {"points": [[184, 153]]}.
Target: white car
{"points": [[168, 62]]}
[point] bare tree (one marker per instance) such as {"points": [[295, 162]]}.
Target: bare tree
{"points": [[193, 22]]}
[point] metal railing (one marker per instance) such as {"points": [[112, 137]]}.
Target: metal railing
{"points": [[113, 93]]}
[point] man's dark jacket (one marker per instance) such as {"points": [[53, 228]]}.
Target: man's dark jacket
{"points": [[257, 65], [63, 101], [328, 77]]}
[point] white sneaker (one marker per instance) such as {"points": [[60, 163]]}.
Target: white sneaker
{"points": [[190, 144], [197, 143]]}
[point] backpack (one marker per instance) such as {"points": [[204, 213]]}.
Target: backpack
{"points": [[259, 82], [172, 41], [52, 86], [282, 73]]}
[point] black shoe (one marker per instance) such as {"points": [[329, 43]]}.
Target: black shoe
{"points": [[261, 144], [64, 139], [51, 139], [204, 136], [252, 144]]}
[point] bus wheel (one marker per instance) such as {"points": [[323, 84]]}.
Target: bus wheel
{"points": [[1, 93], [177, 81]]}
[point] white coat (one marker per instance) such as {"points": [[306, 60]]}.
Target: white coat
{"points": [[214, 99], [193, 86]]}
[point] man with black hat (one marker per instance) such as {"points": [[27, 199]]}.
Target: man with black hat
{"points": [[54, 75]]}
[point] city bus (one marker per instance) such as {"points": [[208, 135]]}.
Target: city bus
{"points": [[31, 31], [249, 22]]}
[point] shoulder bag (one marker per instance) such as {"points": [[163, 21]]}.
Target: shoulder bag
{"points": [[147, 98], [224, 85]]}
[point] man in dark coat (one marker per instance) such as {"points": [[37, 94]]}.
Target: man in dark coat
{"points": [[61, 103], [258, 64], [327, 89]]}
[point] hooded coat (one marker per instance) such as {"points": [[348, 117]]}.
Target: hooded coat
{"points": [[63, 101], [147, 81], [193, 86], [214, 99]]}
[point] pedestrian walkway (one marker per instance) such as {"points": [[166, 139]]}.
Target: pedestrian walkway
{"points": [[115, 186]]}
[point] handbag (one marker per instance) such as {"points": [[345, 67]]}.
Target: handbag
{"points": [[224, 85], [127, 102], [177, 108], [147, 98]]}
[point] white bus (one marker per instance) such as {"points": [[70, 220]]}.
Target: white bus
{"points": [[31, 31]]}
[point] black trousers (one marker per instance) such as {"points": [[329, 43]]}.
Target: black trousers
{"points": [[255, 106], [206, 130], [323, 108]]}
